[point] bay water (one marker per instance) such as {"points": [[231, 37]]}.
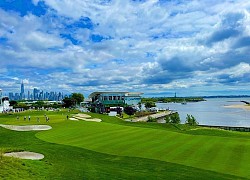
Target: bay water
{"points": [[213, 111]]}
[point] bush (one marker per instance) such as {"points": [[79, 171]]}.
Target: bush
{"points": [[143, 113], [151, 119], [129, 110], [149, 104]]}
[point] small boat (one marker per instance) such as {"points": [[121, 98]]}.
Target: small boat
{"points": [[184, 102]]}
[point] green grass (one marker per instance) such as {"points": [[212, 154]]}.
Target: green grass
{"points": [[114, 149]]}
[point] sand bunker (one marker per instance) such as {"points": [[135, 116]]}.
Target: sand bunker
{"points": [[86, 117], [94, 119], [25, 155], [83, 116], [27, 128], [73, 119]]}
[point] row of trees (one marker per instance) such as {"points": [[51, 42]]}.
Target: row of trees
{"points": [[73, 100], [172, 99]]}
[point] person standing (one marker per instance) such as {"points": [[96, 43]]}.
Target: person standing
{"points": [[29, 118]]}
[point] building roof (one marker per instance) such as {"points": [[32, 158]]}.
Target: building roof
{"points": [[114, 92]]}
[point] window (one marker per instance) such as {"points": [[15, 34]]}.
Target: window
{"points": [[114, 97], [110, 98], [105, 98]]}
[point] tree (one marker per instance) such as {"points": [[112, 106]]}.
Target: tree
{"points": [[175, 118], [68, 102], [21, 105], [13, 103], [167, 119], [191, 120], [149, 104], [39, 104], [78, 97], [75, 98]]}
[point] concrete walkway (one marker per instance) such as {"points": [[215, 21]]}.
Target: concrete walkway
{"points": [[156, 116]]}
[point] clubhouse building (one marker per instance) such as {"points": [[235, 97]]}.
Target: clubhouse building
{"points": [[108, 99]]}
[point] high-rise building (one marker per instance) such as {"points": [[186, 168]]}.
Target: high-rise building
{"points": [[11, 96], [36, 94], [28, 95], [22, 95]]}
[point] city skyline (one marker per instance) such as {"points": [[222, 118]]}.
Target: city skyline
{"points": [[194, 48], [35, 94]]}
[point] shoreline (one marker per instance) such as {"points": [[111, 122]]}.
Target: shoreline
{"points": [[239, 106]]}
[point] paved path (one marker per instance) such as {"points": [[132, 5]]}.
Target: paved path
{"points": [[157, 115]]}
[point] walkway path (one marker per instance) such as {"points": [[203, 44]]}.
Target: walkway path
{"points": [[156, 116]]}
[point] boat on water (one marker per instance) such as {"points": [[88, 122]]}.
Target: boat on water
{"points": [[184, 102]]}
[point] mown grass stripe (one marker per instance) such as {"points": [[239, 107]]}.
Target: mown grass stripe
{"points": [[188, 149], [235, 160]]}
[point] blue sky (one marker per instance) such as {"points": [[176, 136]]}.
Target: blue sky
{"points": [[159, 47]]}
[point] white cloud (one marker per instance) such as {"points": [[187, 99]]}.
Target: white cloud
{"points": [[145, 39]]}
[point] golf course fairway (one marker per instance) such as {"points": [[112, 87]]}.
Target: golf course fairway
{"points": [[124, 150]]}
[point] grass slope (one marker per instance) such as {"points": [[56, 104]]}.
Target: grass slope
{"points": [[221, 154], [67, 162], [118, 150]]}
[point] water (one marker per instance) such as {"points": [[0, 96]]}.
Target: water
{"points": [[213, 112]]}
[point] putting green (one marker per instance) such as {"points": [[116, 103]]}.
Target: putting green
{"points": [[226, 155]]}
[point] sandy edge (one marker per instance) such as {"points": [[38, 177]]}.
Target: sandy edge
{"points": [[25, 155], [239, 106], [27, 127]]}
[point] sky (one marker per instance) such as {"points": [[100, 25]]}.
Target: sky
{"points": [[158, 47]]}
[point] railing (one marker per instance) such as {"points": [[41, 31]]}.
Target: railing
{"points": [[113, 102], [231, 128]]}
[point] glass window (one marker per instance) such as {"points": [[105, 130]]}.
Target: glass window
{"points": [[110, 98], [105, 98]]}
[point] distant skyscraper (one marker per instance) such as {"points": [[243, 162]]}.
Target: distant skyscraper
{"points": [[22, 96], [11, 96], [36, 94], [29, 95]]}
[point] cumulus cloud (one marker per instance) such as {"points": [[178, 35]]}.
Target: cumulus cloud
{"points": [[149, 46]]}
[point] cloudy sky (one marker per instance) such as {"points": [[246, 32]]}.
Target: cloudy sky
{"points": [[159, 47]]}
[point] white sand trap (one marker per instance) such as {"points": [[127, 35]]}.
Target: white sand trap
{"points": [[27, 128], [25, 155], [94, 119], [83, 115], [73, 119]]}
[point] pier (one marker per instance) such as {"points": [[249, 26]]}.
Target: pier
{"points": [[245, 102]]}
